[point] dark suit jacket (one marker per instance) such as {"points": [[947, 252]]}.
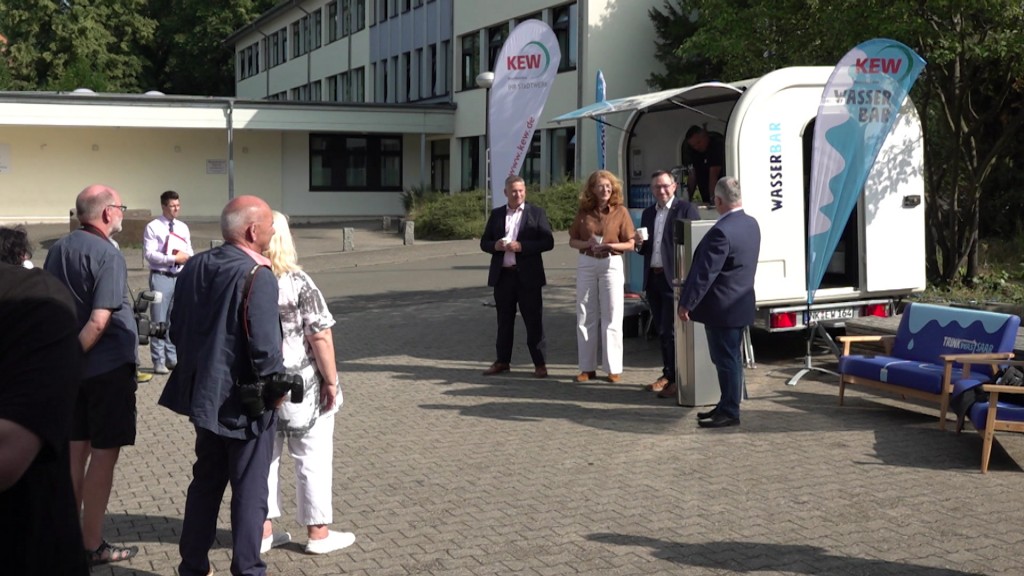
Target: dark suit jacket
{"points": [[207, 329], [680, 210], [534, 235], [719, 288]]}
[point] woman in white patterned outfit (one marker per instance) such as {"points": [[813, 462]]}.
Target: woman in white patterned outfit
{"points": [[307, 428]]}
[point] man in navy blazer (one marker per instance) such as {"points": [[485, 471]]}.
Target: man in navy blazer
{"points": [[515, 236], [223, 341], [660, 269], [719, 291]]}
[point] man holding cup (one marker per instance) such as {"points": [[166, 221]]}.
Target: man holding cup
{"points": [[515, 236], [654, 240]]}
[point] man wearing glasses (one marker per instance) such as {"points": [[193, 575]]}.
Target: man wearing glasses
{"points": [[94, 270], [166, 245]]}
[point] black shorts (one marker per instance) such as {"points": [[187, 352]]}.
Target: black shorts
{"points": [[105, 409]]}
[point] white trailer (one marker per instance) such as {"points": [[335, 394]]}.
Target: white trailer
{"points": [[768, 123]]}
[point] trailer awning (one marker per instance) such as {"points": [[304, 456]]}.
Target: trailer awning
{"points": [[676, 97]]}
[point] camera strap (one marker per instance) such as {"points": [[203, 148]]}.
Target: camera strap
{"points": [[246, 292]]}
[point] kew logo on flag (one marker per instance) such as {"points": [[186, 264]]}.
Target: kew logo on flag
{"points": [[876, 65], [531, 62]]}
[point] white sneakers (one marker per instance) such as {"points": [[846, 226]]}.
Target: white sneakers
{"points": [[274, 540], [334, 541]]}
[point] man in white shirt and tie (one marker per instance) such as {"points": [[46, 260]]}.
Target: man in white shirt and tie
{"points": [[167, 245]]}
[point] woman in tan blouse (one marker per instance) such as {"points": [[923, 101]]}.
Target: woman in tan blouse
{"points": [[602, 232]]}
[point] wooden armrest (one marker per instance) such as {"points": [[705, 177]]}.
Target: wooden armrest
{"points": [[866, 338], [993, 357], [886, 340], [1003, 388]]}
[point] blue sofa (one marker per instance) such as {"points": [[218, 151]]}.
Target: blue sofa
{"points": [[993, 414], [933, 347]]}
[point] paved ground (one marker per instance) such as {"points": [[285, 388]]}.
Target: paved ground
{"points": [[441, 471]]}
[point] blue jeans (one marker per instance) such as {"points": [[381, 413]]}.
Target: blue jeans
{"points": [[724, 347], [160, 349]]}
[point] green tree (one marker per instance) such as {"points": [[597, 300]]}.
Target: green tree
{"points": [[188, 55], [970, 95], [62, 45]]}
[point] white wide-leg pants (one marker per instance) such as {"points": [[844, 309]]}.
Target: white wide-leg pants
{"points": [[313, 454], [600, 287]]}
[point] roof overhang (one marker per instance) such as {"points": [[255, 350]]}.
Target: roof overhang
{"points": [[195, 112]]}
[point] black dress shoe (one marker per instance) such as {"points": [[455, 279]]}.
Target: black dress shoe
{"points": [[719, 421], [709, 414], [496, 368]]}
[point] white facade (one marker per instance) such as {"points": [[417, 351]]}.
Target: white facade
{"points": [[340, 106]]}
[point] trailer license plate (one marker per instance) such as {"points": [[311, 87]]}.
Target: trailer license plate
{"points": [[833, 314]]}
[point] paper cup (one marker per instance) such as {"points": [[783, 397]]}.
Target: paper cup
{"points": [[643, 233], [598, 238]]}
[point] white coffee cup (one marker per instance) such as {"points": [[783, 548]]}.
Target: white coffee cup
{"points": [[598, 239], [643, 233], [506, 240]]}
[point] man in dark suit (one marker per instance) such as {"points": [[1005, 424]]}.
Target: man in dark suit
{"points": [[226, 336], [660, 269], [515, 236], [719, 291]]}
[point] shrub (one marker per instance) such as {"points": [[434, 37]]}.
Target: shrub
{"points": [[460, 216]]}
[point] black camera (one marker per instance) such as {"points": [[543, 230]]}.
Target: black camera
{"points": [[259, 396], [146, 327]]}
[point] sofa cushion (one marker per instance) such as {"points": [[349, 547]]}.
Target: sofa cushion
{"points": [[927, 331], [978, 413], [924, 376]]}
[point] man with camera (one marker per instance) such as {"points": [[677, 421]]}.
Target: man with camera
{"points": [[94, 270], [166, 245], [226, 327]]}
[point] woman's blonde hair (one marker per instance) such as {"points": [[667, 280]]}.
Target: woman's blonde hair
{"points": [[588, 201], [281, 252]]}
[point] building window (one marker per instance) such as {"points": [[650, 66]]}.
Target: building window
{"points": [[342, 162], [562, 153], [470, 60], [332, 88], [278, 53], [470, 162], [405, 5], [345, 18], [446, 65], [495, 40], [531, 164], [440, 164], [358, 84], [405, 70], [433, 90], [360, 15], [417, 3], [332, 21], [382, 10], [315, 92], [565, 25], [536, 16], [249, 61], [317, 33]]}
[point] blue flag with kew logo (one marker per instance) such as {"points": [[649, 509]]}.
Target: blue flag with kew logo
{"points": [[858, 108]]}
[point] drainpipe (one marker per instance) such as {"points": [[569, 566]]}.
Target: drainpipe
{"points": [[231, 149]]}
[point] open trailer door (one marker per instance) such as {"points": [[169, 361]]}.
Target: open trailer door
{"points": [[893, 207]]}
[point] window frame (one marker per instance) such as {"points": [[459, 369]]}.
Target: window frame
{"points": [[380, 150]]}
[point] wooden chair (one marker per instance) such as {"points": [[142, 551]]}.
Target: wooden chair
{"points": [[993, 415]]}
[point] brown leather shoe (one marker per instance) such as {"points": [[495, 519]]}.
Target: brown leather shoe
{"points": [[614, 378], [540, 371], [668, 392], [496, 368], [658, 385], [584, 376]]}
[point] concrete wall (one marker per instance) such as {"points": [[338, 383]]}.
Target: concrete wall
{"points": [[50, 165]]}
